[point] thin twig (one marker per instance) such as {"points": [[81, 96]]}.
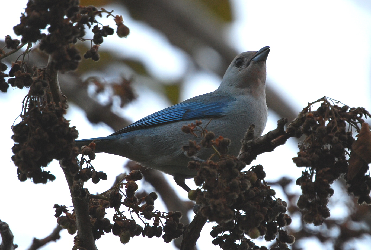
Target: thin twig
{"points": [[251, 148], [52, 75], [12, 51], [54, 236]]}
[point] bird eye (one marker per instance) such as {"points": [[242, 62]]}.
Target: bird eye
{"points": [[239, 62]]}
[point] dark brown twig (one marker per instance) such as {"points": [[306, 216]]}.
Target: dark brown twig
{"points": [[7, 237], [52, 75], [80, 202], [192, 233], [12, 51], [251, 148], [54, 236]]}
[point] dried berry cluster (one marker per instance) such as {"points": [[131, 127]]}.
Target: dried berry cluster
{"points": [[345, 231], [65, 26], [22, 78], [325, 151], [99, 33], [65, 21], [21, 75], [88, 173], [57, 25], [41, 136], [67, 221], [144, 207], [125, 227], [97, 211], [240, 203], [220, 144], [11, 43]]}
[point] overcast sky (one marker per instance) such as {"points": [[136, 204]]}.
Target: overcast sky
{"points": [[318, 48]]}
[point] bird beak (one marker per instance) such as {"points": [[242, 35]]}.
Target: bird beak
{"points": [[262, 54]]}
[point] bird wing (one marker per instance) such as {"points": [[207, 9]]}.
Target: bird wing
{"points": [[211, 106]]}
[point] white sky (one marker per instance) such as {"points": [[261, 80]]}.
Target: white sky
{"points": [[318, 48]]}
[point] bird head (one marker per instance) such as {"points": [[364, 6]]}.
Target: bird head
{"points": [[246, 73]]}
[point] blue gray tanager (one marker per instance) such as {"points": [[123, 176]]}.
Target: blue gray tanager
{"points": [[156, 141]]}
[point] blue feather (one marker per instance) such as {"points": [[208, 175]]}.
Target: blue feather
{"points": [[191, 109]]}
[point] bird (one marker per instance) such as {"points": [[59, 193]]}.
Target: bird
{"points": [[156, 140]]}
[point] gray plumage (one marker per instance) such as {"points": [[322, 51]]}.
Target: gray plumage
{"points": [[156, 141]]}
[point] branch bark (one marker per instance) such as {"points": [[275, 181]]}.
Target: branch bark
{"points": [[80, 196], [80, 201], [251, 148], [52, 76], [54, 236], [192, 233], [7, 237]]}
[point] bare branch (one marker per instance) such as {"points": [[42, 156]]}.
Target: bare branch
{"points": [[192, 233], [12, 51], [80, 196], [52, 76], [80, 200], [251, 148], [54, 236], [7, 237]]}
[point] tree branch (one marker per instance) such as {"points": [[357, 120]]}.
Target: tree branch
{"points": [[52, 75], [7, 237], [54, 236], [80, 201], [12, 51], [80, 196], [251, 148], [71, 86], [192, 233]]}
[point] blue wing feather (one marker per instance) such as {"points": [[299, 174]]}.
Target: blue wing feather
{"points": [[192, 109]]}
